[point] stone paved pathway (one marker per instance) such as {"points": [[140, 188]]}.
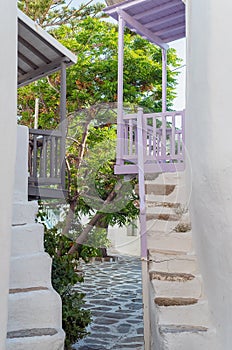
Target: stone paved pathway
{"points": [[114, 295]]}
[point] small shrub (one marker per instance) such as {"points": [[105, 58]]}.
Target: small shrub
{"points": [[183, 227], [64, 277]]}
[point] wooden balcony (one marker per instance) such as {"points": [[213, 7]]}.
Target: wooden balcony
{"points": [[46, 163], [162, 136]]}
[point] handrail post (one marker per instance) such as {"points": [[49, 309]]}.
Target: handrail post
{"points": [[143, 227], [62, 122], [164, 80], [120, 133]]}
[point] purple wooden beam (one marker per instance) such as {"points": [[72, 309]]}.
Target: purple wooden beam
{"points": [[120, 124], [133, 23], [165, 20], [164, 80], [158, 9], [171, 29]]}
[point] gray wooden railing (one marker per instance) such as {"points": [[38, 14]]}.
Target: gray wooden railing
{"points": [[46, 164]]}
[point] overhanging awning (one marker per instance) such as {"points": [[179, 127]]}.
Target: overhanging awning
{"points": [[160, 21], [39, 54]]}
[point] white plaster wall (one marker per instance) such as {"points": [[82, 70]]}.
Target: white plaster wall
{"points": [[8, 74], [121, 243], [209, 137], [21, 165]]}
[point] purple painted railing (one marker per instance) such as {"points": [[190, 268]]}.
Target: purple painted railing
{"points": [[163, 143]]}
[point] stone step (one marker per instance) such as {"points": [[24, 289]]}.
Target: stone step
{"points": [[179, 311], [167, 181], [30, 271], [34, 308], [32, 234], [157, 189], [175, 241], [177, 285], [162, 224], [35, 339], [184, 337], [166, 178], [151, 208], [172, 261], [167, 213], [164, 205], [24, 213], [159, 215], [175, 199]]}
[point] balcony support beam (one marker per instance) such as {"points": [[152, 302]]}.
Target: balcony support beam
{"points": [[121, 25], [63, 92], [164, 80]]}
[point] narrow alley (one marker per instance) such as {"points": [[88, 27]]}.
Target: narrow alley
{"points": [[114, 296]]}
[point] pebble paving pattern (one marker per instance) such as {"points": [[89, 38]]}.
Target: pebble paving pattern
{"points": [[114, 296]]}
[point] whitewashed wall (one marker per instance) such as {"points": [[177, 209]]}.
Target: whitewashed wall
{"points": [[209, 142], [122, 240], [8, 75]]}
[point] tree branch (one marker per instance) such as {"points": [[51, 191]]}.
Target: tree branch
{"points": [[97, 217]]}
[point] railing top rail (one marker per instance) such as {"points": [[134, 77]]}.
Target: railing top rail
{"points": [[161, 114], [152, 115], [43, 132], [130, 116]]}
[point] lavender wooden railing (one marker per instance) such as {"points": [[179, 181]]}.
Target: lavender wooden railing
{"points": [[45, 160], [163, 143]]}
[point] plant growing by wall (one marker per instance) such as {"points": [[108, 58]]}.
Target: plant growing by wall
{"points": [[66, 275]]}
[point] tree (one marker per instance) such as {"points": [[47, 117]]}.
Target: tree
{"points": [[52, 13]]}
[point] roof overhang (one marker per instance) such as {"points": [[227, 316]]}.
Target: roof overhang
{"points": [[160, 21], [39, 54]]}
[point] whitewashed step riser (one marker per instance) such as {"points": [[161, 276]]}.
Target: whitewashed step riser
{"points": [[167, 178], [24, 213], [27, 239], [190, 341], [166, 226], [54, 342], [187, 289], [30, 271], [37, 309], [174, 197], [182, 263], [189, 314], [180, 193], [153, 209], [174, 241], [158, 189], [177, 265]]}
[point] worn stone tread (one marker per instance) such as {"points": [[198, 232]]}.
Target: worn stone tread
{"points": [[172, 277], [164, 329], [34, 332], [26, 290], [162, 301]]}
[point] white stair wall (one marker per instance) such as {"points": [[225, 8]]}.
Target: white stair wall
{"points": [[180, 314], [34, 306]]}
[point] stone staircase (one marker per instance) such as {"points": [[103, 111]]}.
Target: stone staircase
{"points": [[34, 316], [180, 315]]}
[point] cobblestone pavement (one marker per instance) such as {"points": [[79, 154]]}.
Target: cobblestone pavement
{"points": [[114, 295]]}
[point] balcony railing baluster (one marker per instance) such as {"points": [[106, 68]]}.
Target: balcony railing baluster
{"points": [[163, 143], [45, 175]]}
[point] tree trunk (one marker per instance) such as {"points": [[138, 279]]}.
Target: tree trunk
{"points": [[69, 217], [73, 201], [93, 222]]}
